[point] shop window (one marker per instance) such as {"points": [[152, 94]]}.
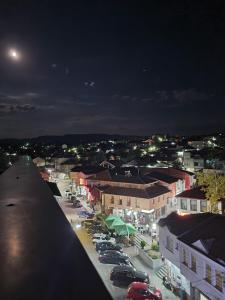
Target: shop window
{"points": [[112, 200], [193, 205], [169, 243], [183, 204], [219, 281], [203, 205], [208, 273], [185, 257], [193, 263], [120, 202]]}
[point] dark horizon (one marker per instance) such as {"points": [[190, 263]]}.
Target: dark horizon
{"points": [[128, 68]]}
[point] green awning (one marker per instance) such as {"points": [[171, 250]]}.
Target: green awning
{"points": [[110, 219], [125, 229], [116, 222]]}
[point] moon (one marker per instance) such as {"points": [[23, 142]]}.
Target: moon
{"points": [[14, 54]]}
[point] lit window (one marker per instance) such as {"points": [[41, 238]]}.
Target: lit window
{"points": [[208, 273]]}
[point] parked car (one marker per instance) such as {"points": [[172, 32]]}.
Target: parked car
{"points": [[77, 204], [104, 239], [125, 275], [142, 291], [114, 257], [99, 235], [100, 247]]}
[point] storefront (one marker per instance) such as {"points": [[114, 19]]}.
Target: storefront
{"points": [[143, 219]]}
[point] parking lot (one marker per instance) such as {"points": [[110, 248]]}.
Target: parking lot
{"points": [[103, 269]]}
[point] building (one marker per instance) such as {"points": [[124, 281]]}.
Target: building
{"points": [[193, 248], [191, 201], [197, 144], [129, 194], [41, 256], [192, 163], [185, 175], [145, 205], [175, 184], [79, 176], [39, 162]]}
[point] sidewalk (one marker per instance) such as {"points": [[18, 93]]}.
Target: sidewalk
{"points": [[155, 280]]}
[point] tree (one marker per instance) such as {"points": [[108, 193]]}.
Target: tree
{"points": [[142, 244], [213, 185]]}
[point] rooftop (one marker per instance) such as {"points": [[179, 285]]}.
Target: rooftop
{"points": [[88, 169], [41, 256], [148, 193], [163, 177], [195, 193], [191, 230]]}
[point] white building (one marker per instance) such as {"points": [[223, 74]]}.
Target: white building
{"points": [[191, 201], [193, 248], [192, 163]]}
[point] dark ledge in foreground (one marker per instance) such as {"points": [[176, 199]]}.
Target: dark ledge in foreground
{"points": [[40, 255]]}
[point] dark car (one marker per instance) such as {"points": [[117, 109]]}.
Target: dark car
{"points": [[125, 275], [99, 245], [142, 291], [114, 257], [77, 204], [108, 246]]}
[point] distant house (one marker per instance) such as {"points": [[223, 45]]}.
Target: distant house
{"points": [[187, 176], [197, 144], [175, 184], [192, 201], [68, 165], [193, 248], [111, 164], [192, 162], [39, 162]]}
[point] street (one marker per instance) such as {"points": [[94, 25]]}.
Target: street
{"points": [[104, 270]]}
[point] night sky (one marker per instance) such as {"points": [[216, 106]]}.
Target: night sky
{"points": [[128, 67]]}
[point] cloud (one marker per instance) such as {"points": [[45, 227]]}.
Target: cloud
{"points": [[13, 108], [176, 98], [19, 97]]}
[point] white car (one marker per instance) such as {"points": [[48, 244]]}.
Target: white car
{"points": [[103, 239], [99, 235]]}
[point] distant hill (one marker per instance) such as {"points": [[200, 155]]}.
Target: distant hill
{"points": [[70, 139]]}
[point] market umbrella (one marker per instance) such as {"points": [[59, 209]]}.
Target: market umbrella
{"points": [[116, 222], [109, 220], [125, 229]]}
